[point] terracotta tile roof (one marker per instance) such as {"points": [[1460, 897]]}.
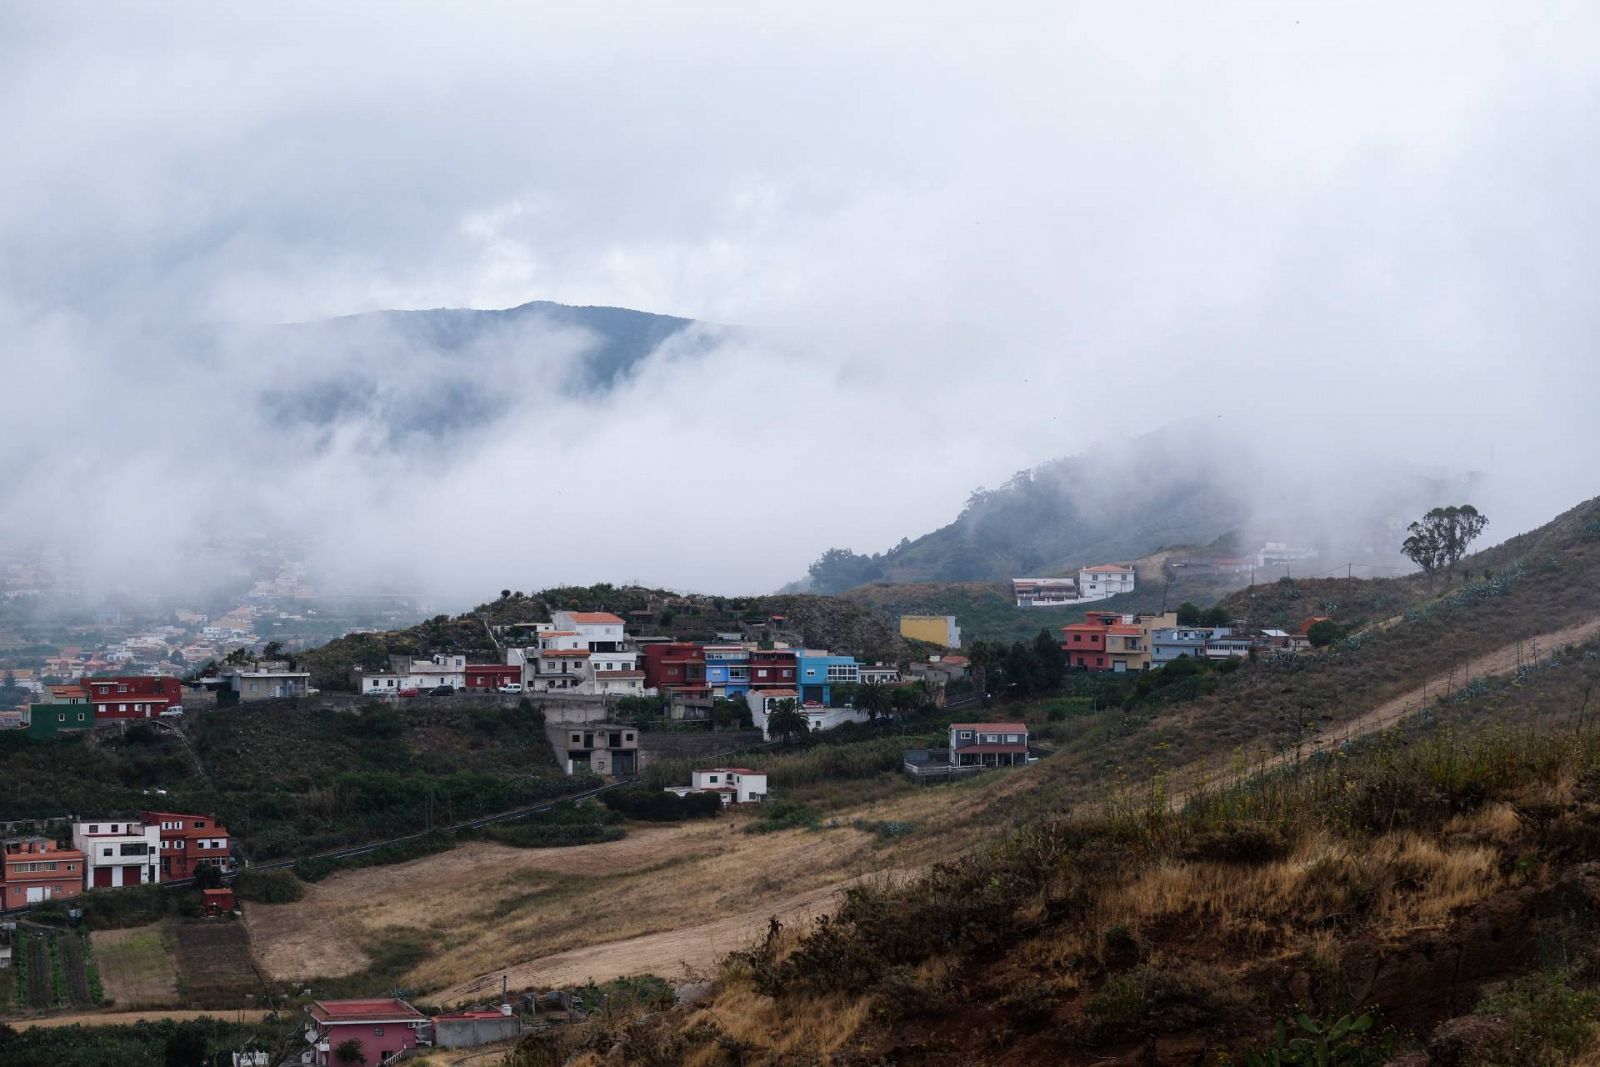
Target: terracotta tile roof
{"points": [[594, 618], [1125, 631], [1108, 568], [564, 652], [987, 747], [991, 727], [619, 674]]}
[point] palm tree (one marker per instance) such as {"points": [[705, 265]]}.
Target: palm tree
{"points": [[787, 720], [873, 698]]}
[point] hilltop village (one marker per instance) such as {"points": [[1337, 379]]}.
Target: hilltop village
{"points": [[381, 843]]}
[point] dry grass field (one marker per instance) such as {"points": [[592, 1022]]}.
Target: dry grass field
{"points": [[660, 899], [137, 967]]}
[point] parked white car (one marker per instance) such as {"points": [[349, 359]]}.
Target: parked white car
{"points": [[174, 712], [511, 688]]}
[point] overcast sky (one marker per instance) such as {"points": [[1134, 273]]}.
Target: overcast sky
{"points": [[966, 239]]}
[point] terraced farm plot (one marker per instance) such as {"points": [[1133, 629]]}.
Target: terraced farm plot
{"points": [[215, 969], [137, 965], [51, 972]]}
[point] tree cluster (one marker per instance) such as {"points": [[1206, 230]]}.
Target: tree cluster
{"points": [[1440, 538], [1022, 669], [1191, 614]]}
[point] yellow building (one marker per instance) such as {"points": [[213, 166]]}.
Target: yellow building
{"points": [[934, 629]]}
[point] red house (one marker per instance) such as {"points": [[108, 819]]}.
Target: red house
{"points": [[674, 665], [131, 697], [772, 668], [188, 841], [373, 1030], [1085, 642], [487, 677]]}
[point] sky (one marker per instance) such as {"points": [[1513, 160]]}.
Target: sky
{"points": [[959, 242]]}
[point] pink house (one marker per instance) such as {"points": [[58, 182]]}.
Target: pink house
{"points": [[382, 1029]]}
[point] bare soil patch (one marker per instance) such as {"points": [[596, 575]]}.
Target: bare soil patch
{"points": [[137, 968], [214, 964]]}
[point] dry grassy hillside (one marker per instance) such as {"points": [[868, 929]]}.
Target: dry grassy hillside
{"points": [[1430, 876]]}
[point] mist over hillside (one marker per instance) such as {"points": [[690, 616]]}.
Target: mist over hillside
{"points": [[439, 372], [1184, 485]]}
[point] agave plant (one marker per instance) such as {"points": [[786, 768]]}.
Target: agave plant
{"points": [[1339, 1043]]}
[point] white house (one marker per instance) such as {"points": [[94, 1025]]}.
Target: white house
{"points": [[598, 629], [761, 702], [1104, 580], [118, 852], [738, 785], [583, 652]]}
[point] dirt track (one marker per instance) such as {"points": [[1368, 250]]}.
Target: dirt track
{"points": [[116, 1018], [1501, 661]]}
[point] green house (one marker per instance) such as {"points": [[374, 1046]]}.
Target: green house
{"points": [[45, 721]]}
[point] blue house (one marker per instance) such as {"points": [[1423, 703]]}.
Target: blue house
{"points": [[727, 670], [819, 672]]}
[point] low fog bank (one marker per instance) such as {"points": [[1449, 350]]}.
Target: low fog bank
{"points": [[1357, 242], [719, 460]]}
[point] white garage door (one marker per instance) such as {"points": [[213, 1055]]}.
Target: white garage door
{"points": [[36, 894]]}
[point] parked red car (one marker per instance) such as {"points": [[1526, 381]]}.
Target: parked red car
{"points": [[410, 692]]}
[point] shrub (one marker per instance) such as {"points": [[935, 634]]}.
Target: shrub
{"points": [[1549, 1022], [1250, 844], [784, 815], [268, 887], [658, 805], [1160, 999], [1324, 633], [1343, 1042]]}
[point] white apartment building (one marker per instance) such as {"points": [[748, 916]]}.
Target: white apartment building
{"points": [[118, 852], [585, 652], [1104, 580]]}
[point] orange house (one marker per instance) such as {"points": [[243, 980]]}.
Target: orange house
{"points": [[37, 870]]}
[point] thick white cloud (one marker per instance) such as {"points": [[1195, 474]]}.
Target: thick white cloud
{"points": [[965, 242]]}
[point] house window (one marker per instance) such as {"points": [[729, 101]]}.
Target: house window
{"points": [[377, 1031], [94, 829], [627, 737], [965, 735], [711, 778]]}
